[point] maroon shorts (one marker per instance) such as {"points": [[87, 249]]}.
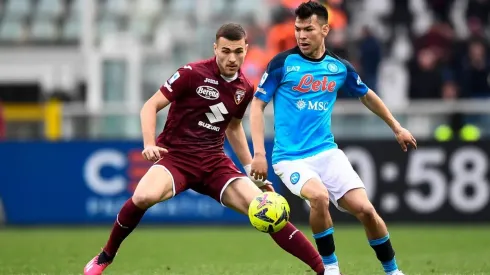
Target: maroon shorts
{"points": [[208, 175]]}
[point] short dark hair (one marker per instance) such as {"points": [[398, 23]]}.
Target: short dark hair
{"points": [[307, 9], [231, 31]]}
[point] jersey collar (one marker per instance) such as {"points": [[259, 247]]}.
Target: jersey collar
{"points": [[312, 59]]}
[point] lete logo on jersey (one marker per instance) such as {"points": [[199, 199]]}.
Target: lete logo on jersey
{"points": [[309, 83]]}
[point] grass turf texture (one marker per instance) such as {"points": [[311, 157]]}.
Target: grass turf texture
{"points": [[424, 250]]}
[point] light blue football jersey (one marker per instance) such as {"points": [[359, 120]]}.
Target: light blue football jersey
{"points": [[304, 92]]}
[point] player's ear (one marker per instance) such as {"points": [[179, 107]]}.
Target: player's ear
{"points": [[215, 47], [325, 29], [246, 48]]}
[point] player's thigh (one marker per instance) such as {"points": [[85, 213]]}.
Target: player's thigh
{"points": [[299, 178], [356, 202], [220, 173], [239, 194], [337, 174], [159, 184]]}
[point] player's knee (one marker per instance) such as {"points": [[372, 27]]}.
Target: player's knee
{"points": [[366, 213], [145, 200], [155, 186], [319, 200]]}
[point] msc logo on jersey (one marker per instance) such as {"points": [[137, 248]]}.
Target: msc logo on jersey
{"points": [[318, 105], [312, 105], [300, 104], [309, 83]]}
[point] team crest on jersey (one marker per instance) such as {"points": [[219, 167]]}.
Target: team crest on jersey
{"points": [[333, 67], [239, 95]]}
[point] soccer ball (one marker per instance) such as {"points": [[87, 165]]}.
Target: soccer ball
{"points": [[269, 212]]}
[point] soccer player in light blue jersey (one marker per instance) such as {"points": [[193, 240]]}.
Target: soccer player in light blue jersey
{"points": [[304, 82]]}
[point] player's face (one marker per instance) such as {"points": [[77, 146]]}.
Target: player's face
{"points": [[230, 55], [310, 34]]}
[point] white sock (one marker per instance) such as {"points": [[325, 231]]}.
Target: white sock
{"points": [[333, 265]]}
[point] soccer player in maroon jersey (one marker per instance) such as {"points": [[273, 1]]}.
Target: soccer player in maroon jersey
{"points": [[209, 99]]}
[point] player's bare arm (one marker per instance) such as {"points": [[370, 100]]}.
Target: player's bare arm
{"points": [[259, 162], [238, 141], [148, 117], [372, 101]]}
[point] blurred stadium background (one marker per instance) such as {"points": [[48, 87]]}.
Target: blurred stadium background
{"points": [[74, 74]]}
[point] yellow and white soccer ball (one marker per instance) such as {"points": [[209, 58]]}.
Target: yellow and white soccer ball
{"points": [[269, 212]]}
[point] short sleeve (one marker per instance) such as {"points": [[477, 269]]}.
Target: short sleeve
{"points": [[177, 84], [353, 84], [271, 79]]}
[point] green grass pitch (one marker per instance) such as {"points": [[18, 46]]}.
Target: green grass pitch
{"points": [[426, 250]]}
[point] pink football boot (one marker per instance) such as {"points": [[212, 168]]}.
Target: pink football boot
{"points": [[95, 267]]}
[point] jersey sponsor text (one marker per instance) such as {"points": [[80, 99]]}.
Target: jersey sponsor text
{"points": [[209, 126], [308, 83], [207, 92]]}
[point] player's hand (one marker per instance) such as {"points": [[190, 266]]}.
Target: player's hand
{"points": [[259, 167], [267, 188], [259, 182], [153, 153], [405, 139]]}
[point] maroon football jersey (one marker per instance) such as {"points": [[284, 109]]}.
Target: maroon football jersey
{"points": [[203, 103]]}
